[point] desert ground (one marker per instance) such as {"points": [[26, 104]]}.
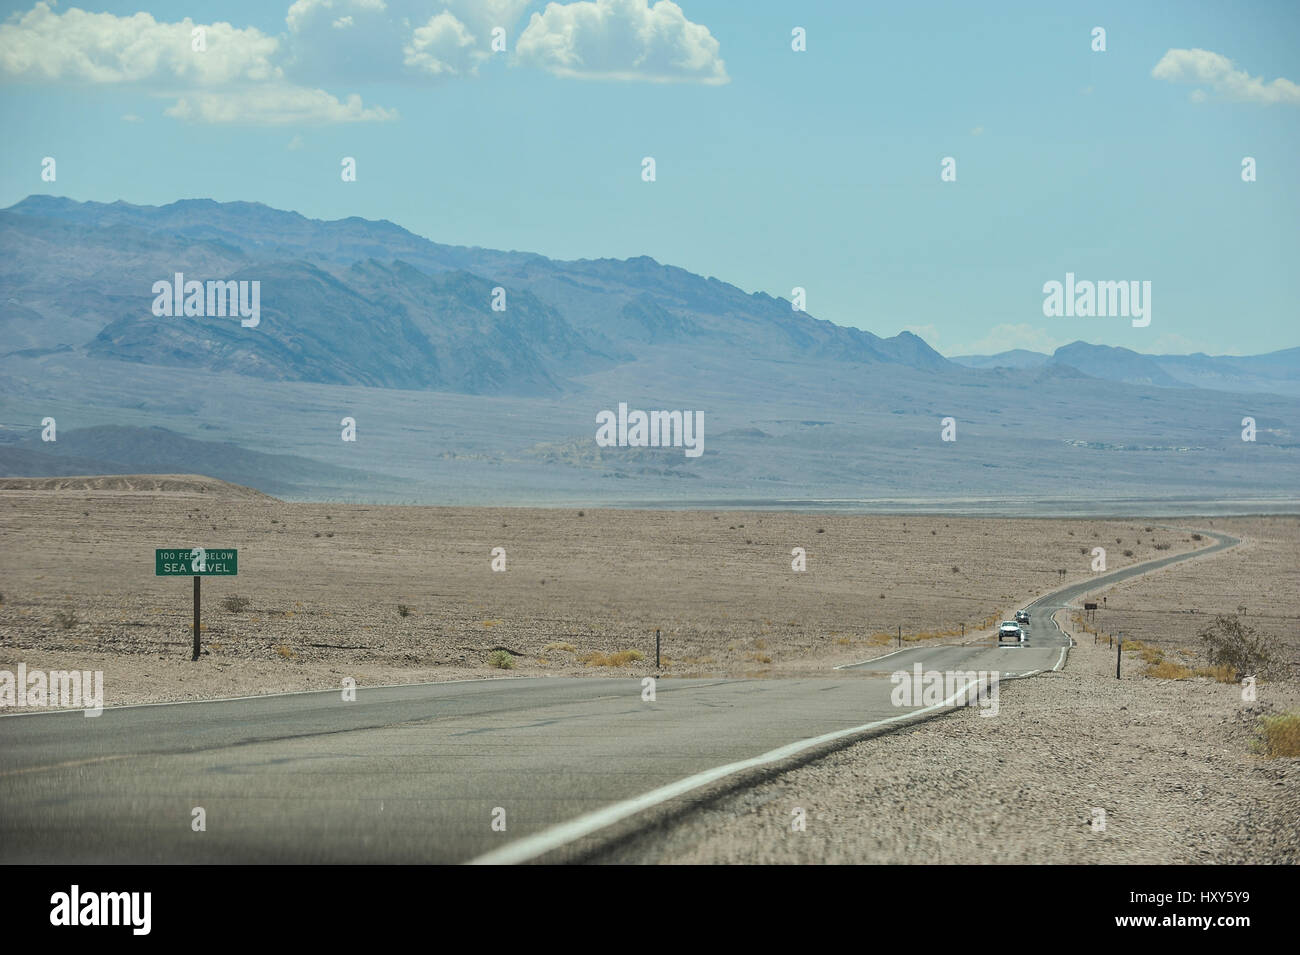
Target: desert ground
{"points": [[408, 594], [1259, 579]]}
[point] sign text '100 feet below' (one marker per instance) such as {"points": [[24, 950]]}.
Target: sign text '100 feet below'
{"points": [[196, 562]]}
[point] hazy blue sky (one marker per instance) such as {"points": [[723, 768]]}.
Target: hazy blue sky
{"points": [[775, 168]]}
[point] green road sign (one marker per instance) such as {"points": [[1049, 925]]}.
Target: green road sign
{"points": [[196, 562]]}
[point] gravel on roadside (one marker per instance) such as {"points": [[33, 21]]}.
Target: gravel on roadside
{"points": [[1168, 762]]}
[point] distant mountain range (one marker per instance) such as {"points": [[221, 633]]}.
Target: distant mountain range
{"points": [[1276, 372], [457, 400], [368, 303]]}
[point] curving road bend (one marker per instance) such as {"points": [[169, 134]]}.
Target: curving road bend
{"points": [[492, 771]]}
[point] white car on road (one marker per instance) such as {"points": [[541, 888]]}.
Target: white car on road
{"points": [[1010, 630]]}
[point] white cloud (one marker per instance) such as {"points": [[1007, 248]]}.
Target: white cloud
{"points": [[243, 75], [131, 118], [1006, 337], [233, 78], [1221, 75], [102, 48], [621, 40], [444, 45], [393, 40], [301, 12], [275, 105]]}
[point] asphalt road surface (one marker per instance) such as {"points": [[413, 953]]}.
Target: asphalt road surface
{"points": [[505, 770]]}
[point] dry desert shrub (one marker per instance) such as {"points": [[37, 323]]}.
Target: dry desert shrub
{"points": [[1231, 643], [558, 647], [1168, 670], [501, 659], [235, 603], [66, 619]]}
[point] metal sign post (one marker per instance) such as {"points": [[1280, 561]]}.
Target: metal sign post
{"points": [[197, 578], [198, 562]]}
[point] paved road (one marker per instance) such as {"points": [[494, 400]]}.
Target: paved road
{"points": [[418, 773], [1043, 649]]}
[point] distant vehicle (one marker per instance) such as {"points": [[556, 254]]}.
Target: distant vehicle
{"points": [[1010, 630], [1022, 616]]}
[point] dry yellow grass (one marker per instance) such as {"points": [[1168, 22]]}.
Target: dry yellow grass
{"points": [[619, 658], [1168, 670], [1152, 655], [1222, 673], [558, 647], [1280, 736]]}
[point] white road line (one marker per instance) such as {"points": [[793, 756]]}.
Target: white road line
{"points": [[845, 666], [530, 847]]}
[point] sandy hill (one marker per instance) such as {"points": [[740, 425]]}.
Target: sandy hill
{"points": [[153, 483]]}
